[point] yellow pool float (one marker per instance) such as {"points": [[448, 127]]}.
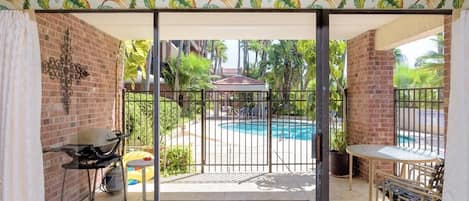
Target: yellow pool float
{"points": [[137, 174]]}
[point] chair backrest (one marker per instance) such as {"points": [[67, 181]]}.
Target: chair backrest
{"points": [[437, 180]]}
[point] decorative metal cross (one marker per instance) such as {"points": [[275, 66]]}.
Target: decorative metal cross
{"points": [[65, 71]]}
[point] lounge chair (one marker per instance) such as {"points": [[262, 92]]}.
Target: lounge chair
{"points": [[427, 185], [255, 112]]}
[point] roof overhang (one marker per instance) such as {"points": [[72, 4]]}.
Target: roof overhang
{"points": [[392, 30], [217, 87], [123, 26], [406, 29]]}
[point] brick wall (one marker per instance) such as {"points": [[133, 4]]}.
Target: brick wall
{"points": [[95, 101], [447, 67], [370, 95]]}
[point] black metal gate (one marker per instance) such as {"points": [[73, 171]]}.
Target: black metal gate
{"points": [[228, 131]]}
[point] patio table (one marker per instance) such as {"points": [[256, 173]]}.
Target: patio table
{"points": [[142, 164], [385, 153]]}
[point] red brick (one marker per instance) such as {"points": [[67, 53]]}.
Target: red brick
{"points": [[370, 96], [93, 98], [446, 68]]}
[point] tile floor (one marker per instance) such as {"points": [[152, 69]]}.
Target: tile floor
{"points": [[237, 187]]}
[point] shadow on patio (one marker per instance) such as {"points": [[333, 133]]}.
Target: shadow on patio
{"points": [[236, 186]]}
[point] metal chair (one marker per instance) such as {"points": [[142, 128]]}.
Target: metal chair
{"points": [[427, 185]]}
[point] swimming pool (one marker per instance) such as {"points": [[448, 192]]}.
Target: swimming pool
{"points": [[282, 129]]}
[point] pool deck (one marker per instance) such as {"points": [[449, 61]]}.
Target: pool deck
{"points": [[233, 151]]}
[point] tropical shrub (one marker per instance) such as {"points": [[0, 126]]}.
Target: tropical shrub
{"points": [[428, 70], [407, 77], [193, 72], [337, 78], [137, 124], [135, 52], [176, 160], [338, 140], [170, 112], [139, 117], [285, 68]]}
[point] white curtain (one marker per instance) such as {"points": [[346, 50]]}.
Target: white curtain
{"points": [[21, 165], [456, 186]]}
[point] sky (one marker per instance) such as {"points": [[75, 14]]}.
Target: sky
{"points": [[417, 48], [232, 53], [411, 50]]}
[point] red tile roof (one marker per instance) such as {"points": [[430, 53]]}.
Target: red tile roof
{"points": [[238, 80]]}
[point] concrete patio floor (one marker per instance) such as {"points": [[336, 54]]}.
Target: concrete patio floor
{"points": [[244, 187]]}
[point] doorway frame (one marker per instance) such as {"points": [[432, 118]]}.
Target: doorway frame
{"points": [[321, 146], [321, 149]]}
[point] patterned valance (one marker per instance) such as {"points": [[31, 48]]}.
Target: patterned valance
{"points": [[182, 4]]}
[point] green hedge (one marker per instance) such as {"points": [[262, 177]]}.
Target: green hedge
{"points": [[176, 160], [139, 117], [139, 123]]}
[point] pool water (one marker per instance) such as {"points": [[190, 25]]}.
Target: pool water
{"points": [[405, 139], [286, 130], [282, 129]]}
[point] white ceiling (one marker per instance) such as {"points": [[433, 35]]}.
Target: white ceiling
{"points": [[231, 26], [344, 27], [124, 26], [236, 26]]}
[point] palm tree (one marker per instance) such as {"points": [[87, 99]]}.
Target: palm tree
{"points": [[399, 57], [284, 61], [221, 59], [245, 57], [433, 60], [337, 54], [220, 56], [193, 71], [337, 82], [337, 65], [204, 48], [261, 71], [177, 67], [408, 77], [187, 47], [239, 57], [255, 46], [212, 52]]}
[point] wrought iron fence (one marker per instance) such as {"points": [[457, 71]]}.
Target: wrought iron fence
{"points": [[337, 112], [419, 122], [230, 131]]}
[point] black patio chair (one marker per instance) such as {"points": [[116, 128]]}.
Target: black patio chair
{"points": [[255, 112], [427, 184], [244, 112]]}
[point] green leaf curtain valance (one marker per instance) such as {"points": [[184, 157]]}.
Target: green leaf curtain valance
{"points": [[214, 4]]}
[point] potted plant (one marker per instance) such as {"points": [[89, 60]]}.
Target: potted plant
{"points": [[338, 157]]}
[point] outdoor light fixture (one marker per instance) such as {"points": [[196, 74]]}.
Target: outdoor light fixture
{"points": [[65, 71]]}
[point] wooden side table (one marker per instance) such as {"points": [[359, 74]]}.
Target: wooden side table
{"points": [[143, 165]]}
